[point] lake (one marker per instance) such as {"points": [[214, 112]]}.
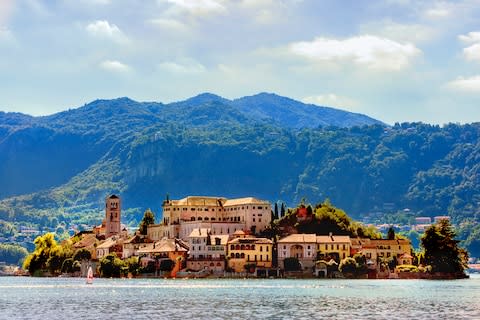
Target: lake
{"points": [[71, 298]]}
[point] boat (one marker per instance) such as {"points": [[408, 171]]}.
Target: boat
{"points": [[90, 275]]}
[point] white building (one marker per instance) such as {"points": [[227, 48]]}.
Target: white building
{"points": [[207, 251], [221, 215]]}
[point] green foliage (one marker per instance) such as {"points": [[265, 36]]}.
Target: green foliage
{"points": [[328, 219], [292, 264], [133, 265], [67, 265], [167, 265], [442, 252], [407, 268], [45, 247], [148, 219], [111, 266], [12, 253], [82, 254], [348, 266], [391, 234]]}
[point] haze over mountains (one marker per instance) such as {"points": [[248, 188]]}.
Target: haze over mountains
{"points": [[268, 146]]}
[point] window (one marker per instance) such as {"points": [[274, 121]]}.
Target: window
{"points": [[261, 248], [260, 257], [253, 219], [267, 248], [388, 254], [242, 255], [308, 247]]}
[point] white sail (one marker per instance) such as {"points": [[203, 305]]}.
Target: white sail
{"points": [[89, 275]]}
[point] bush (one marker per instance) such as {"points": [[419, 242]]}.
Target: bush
{"points": [[348, 266], [292, 264], [406, 268]]}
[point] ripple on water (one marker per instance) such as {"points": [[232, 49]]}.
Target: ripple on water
{"points": [[37, 298]]}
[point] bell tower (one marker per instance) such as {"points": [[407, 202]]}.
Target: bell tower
{"points": [[112, 215]]}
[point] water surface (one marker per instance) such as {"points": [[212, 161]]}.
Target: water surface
{"points": [[71, 298]]}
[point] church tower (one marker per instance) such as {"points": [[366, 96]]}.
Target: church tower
{"points": [[112, 215]]}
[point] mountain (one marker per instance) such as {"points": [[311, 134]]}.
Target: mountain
{"points": [[59, 168], [295, 114]]}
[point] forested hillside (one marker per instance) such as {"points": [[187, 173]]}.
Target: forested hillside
{"points": [[60, 167]]}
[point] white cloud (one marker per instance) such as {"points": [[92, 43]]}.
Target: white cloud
{"points": [[170, 24], [471, 37], [469, 84], [400, 32], [197, 7], [103, 29], [367, 50], [114, 66], [330, 99], [472, 53], [437, 13], [184, 66]]}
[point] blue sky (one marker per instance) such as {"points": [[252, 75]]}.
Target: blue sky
{"points": [[395, 60]]}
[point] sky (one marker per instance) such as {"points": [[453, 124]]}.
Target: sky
{"points": [[394, 60]]}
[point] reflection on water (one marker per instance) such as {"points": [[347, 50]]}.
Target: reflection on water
{"points": [[57, 298]]}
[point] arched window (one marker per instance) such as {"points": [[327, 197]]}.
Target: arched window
{"points": [[237, 255], [206, 219], [242, 247], [199, 218], [237, 247], [232, 255], [242, 255], [247, 247], [192, 218], [232, 247]]}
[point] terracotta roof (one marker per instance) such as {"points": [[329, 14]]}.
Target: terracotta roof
{"points": [[396, 242], [199, 232], [215, 201], [164, 245], [110, 242], [333, 239], [242, 201], [251, 240], [299, 238]]}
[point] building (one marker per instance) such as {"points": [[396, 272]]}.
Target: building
{"points": [[111, 223], [246, 250], [300, 246], [384, 249], [207, 251], [172, 249], [114, 244], [220, 215], [423, 220], [333, 247], [133, 244]]}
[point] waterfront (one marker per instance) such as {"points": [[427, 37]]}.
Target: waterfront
{"points": [[71, 298]]}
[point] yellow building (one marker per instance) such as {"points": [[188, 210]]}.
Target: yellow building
{"points": [[247, 250], [383, 249], [333, 246]]}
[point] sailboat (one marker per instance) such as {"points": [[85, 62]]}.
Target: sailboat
{"points": [[89, 275]]}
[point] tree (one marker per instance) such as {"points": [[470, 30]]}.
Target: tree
{"points": [[55, 260], [275, 212], [82, 254], [282, 210], [37, 260], [391, 234], [441, 250], [292, 264], [111, 266], [148, 219], [348, 266], [12, 253], [167, 265]]}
